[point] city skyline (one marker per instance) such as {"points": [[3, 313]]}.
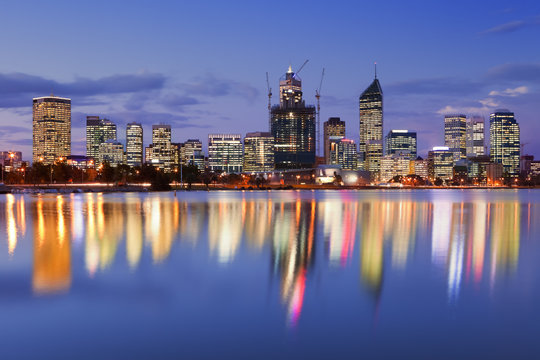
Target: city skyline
{"points": [[199, 95]]}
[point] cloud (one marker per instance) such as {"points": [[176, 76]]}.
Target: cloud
{"points": [[525, 72], [520, 90], [212, 86], [178, 102], [512, 26], [17, 88], [438, 86]]}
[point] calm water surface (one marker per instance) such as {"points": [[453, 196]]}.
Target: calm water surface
{"points": [[292, 274]]}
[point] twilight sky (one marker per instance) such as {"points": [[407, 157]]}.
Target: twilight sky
{"points": [[200, 66]]}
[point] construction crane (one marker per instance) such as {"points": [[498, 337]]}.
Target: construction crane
{"points": [[269, 103], [301, 67], [318, 129]]}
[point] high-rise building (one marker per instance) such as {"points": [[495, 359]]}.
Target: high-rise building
{"points": [[162, 155], [258, 152], [343, 152], [455, 135], [395, 165], [191, 153], [333, 127], [441, 163], [401, 142], [475, 136], [504, 141], [111, 151], [98, 131], [370, 147], [421, 167], [293, 126], [225, 153], [134, 144], [51, 129]]}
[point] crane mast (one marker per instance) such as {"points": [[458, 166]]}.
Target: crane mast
{"points": [[269, 103], [318, 128]]}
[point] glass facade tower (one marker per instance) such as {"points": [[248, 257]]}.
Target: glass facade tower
{"points": [[225, 153], [370, 147], [293, 126], [475, 136], [504, 141], [98, 131], [134, 144], [455, 135], [334, 127], [401, 142], [258, 152]]}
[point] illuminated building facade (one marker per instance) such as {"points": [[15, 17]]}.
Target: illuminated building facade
{"points": [[401, 142], [225, 153], [455, 135], [162, 155], [504, 140], [441, 163], [191, 153], [134, 144], [111, 151], [343, 152], [98, 131], [293, 126], [421, 167], [370, 147], [394, 165], [258, 152], [334, 127], [51, 125], [475, 136]]}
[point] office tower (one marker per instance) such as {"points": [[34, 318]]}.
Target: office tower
{"points": [[370, 147], [401, 142], [51, 129], [111, 151], [98, 131], [455, 135], [225, 153], [475, 136], [293, 126], [258, 152], [134, 144], [333, 127], [343, 152], [395, 165], [440, 163], [162, 151], [191, 153], [504, 141], [421, 167]]}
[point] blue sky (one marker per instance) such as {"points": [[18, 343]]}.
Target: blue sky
{"points": [[200, 66]]}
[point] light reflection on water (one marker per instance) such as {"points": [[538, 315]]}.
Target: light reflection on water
{"points": [[471, 238]]}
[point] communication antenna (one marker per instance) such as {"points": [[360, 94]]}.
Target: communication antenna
{"points": [[318, 129], [269, 103]]}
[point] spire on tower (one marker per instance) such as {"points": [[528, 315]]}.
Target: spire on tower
{"points": [[375, 69]]}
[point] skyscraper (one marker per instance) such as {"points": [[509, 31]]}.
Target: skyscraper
{"points": [[475, 136], [440, 163], [293, 126], [455, 135], [504, 140], [333, 127], [370, 147], [401, 142], [111, 151], [225, 153], [134, 144], [343, 152], [51, 129], [258, 152], [98, 131], [162, 151]]}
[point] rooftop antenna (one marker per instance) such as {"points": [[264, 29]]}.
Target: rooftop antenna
{"points": [[269, 103], [375, 69], [318, 128]]}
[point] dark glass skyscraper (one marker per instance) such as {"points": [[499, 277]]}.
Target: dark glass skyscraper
{"points": [[504, 141], [293, 126], [332, 128], [401, 142], [370, 147]]}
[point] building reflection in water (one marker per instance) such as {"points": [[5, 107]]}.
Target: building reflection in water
{"points": [[470, 241], [52, 247]]}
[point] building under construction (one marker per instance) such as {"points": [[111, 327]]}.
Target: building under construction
{"points": [[293, 126]]}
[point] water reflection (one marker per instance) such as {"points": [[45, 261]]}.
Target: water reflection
{"points": [[469, 241]]}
